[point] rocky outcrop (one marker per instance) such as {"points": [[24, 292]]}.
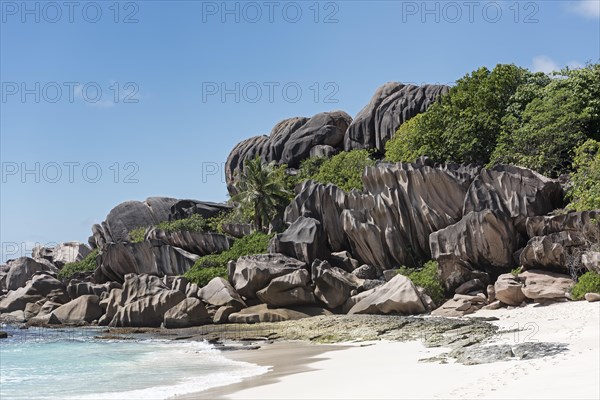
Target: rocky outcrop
{"points": [[390, 224], [219, 292], [190, 312], [23, 269], [391, 105], [77, 288], [515, 191], [485, 239], [147, 257], [131, 215], [302, 240], [509, 290], [199, 243], [206, 209], [288, 290], [343, 260], [85, 308], [545, 285], [398, 296], [460, 305], [264, 313], [591, 261], [40, 287], [584, 222], [249, 274], [143, 301], [290, 142], [62, 253], [555, 251], [333, 286]]}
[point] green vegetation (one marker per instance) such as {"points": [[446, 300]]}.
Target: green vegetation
{"points": [[88, 264], [344, 169], [216, 264], [137, 235], [427, 278], [587, 283], [194, 223], [261, 191], [585, 193], [507, 115]]}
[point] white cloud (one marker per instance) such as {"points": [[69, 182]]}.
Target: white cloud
{"points": [[544, 64], [547, 65], [586, 8]]}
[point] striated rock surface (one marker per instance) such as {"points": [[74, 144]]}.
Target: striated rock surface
{"points": [[583, 222], [249, 274], [302, 240], [186, 208], [76, 288], [23, 269], [199, 243], [515, 191], [290, 142], [390, 225], [40, 287], [483, 239], [219, 292], [143, 301], [333, 286], [190, 312], [131, 215], [62, 253], [288, 290], [554, 251], [391, 105], [398, 296], [591, 261], [147, 257], [85, 308]]}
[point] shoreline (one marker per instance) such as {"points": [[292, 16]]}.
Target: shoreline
{"points": [[393, 369]]}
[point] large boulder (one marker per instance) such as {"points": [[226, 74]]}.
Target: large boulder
{"points": [[62, 253], [190, 312], [22, 269], [288, 290], [249, 274], [302, 240], [583, 222], [264, 313], [219, 292], [131, 215], [333, 286], [142, 302], [591, 261], [199, 243], [515, 191], [147, 257], [290, 142], [484, 239], [398, 296], [85, 308], [391, 105], [41, 286], [545, 285], [557, 251], [509, 290]]}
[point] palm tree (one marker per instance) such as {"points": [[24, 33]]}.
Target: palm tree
{"points": [[260, 189]]}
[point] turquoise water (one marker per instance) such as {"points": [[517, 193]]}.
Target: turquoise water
{"points": [[71, 364]]}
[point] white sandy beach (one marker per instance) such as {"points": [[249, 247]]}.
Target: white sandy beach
{"points": [[390, 370]]}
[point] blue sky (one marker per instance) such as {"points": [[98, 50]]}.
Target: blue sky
{"points": [[154, 94]]}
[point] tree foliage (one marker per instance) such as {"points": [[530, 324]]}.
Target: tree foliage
{"points": [[585, 192], [88, 264], [261, 191]]}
